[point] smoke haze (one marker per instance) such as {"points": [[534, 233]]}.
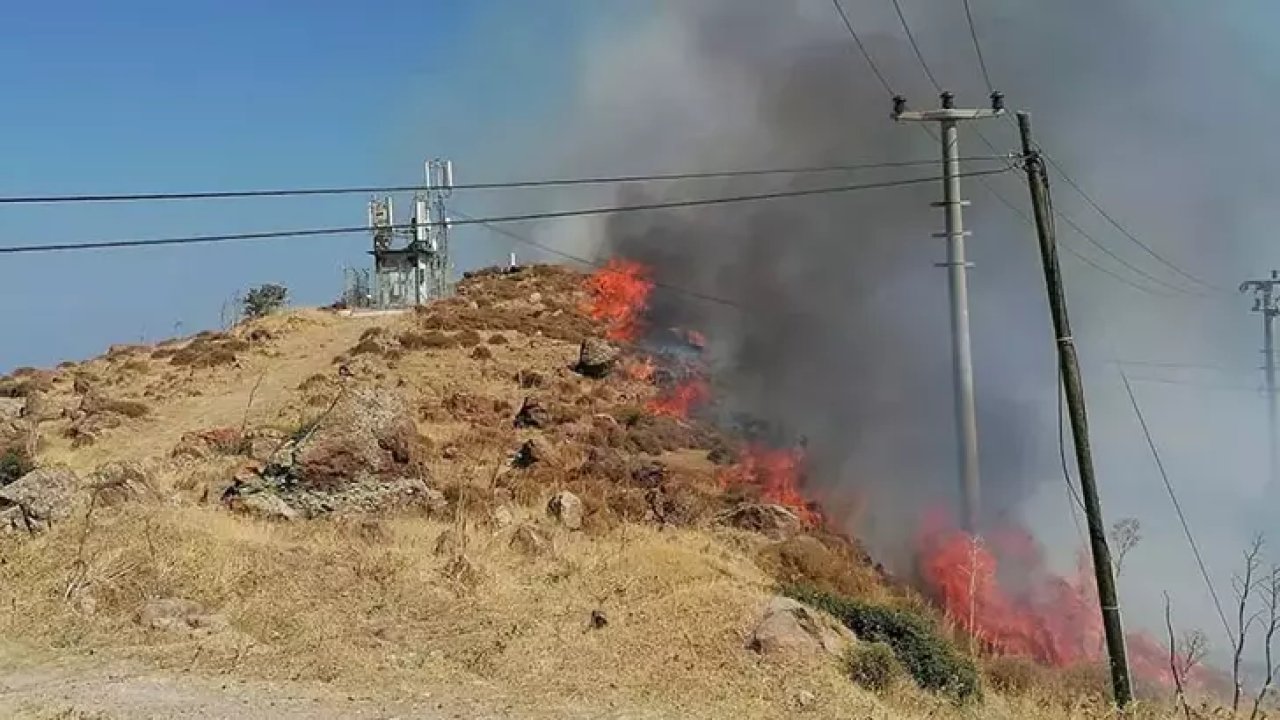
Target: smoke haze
{"points": [[842, 330]]}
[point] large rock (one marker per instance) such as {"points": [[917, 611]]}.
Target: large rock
{"points": [[533, 451], [11, 409], [790, 627], [773, 521], [264, 504], [43, 496], [369, 435], [566, 508], [119, 482], [532, 415], [596, 358]]}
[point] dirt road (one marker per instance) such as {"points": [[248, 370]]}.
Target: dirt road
{"points": [[85, 691]]}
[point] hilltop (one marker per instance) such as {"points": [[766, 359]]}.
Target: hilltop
{"points": [[476, 508]]}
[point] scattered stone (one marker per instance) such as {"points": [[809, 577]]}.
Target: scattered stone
{"points": [[14, 522], [449, 452], [204, 444], [566, 508], [773, 521], [595, 358], [788, 626], [119, 482], [533, 451], [179, 616], [804, 700], [42, 496], [532, 415], [11, 409], [530, 540], [598, 619], [461, 570], [263, 504], [502, 517]]}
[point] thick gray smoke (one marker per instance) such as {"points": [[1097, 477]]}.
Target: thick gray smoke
{"points": [[842, 331]]}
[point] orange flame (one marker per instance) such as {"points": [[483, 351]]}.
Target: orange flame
{"points": [[776, 474], [680, 400], [618, 294], [640, 370], [1051, 619]]}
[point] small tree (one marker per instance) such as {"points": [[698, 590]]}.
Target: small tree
{"points": [[264, 300]]}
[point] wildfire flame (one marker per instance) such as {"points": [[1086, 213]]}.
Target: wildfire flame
{"points": [[680, 400], [1051, 619], [640, 370], [777, 475], [618, 294]]}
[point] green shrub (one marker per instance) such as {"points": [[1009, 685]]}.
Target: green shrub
{"points": [[14, 463], [872, 665], [935, 664], [264, 300]]}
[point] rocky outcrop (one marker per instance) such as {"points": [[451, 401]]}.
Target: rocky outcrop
{"points": [[790, 627], [596, 358], [773, 521], [566, 508], [40, 498]]}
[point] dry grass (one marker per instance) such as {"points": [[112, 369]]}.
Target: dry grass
{"points": [[368, 605]]}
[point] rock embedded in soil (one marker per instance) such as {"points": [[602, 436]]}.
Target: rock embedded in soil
{"points": [[42, 496], [596, 358], [773, 521], [530, 540], [788, 627], [566, 508], [532, 415]]}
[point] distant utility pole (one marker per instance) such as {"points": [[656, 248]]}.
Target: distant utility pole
{"points": [[1265, 303], [949, 117], [1069, 364]]}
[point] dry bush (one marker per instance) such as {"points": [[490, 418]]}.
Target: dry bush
{"points": [[431, 340], [827, 566], [372, 333], [1013, 675], [529, 379], [481, 353], [469, 338], [498, 339], [128, 408]]}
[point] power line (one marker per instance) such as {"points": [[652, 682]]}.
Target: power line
{"points": [[193, 239], [596, 264], [1125, 231], [1177, 506], [853, 33], [862, 47], [906, 28], [977, 47], [555, 182], [1189, 383], [1181, 365]]}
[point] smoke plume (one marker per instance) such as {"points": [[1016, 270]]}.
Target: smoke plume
{"points": [[839, 329]]}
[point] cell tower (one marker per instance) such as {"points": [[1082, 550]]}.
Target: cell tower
{"points": [[418, 272]]}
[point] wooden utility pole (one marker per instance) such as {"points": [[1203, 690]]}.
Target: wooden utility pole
{"points": [[1266, 303], [1069, 364], [949, 118]]}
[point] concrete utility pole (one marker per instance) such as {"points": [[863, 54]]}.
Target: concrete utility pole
{"points": [[1265, 303], [949, 117], [1069, 364]]}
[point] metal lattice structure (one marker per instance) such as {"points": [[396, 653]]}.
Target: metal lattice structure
{"points": [[419, 271]]}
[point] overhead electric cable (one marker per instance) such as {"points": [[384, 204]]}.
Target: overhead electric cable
{"points": [[194, 239], [977, 47], [554, 182]]}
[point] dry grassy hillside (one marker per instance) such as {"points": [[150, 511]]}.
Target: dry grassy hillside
{"points": [[363, 502]]}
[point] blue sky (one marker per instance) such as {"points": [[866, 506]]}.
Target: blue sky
{"points": [[135, 96]]}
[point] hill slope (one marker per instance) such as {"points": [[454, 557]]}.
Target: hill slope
{"points": [[362, 502]]}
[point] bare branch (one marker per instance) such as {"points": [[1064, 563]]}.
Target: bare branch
{"points": [[1125, 536], [1175, 668], [1270, 586], [1243, 586]]}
